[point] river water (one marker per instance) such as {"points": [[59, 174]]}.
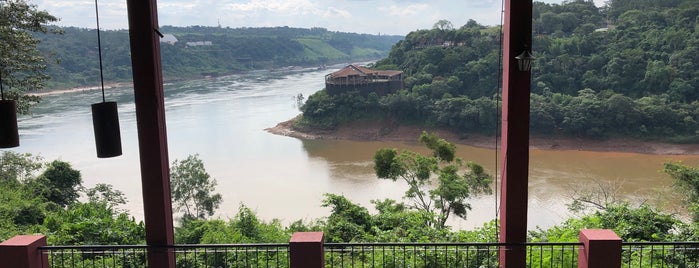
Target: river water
{"points": [[223, 120]]}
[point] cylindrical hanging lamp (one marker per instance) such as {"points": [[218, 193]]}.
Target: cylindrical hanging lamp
{"points": [[105, 118], [9, 134], [105, 121]]}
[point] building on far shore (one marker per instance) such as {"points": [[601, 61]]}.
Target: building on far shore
{"points": [[364, 80]]}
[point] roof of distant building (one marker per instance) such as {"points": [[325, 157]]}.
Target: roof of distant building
{"points": [[168, 38], [354, 70]]}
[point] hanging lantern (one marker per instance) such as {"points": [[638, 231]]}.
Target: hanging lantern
{"points": [[105, 121], [9, 134], [105, 118]]}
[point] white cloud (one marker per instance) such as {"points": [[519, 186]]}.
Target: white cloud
{"points": [[405, 11], [288, 7], [335, 13], [364, 16], [483, 3]]}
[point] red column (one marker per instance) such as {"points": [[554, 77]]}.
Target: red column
{"points": [[152, 137], [306, 250], [515, 133], [601, 249], [22, 251]]}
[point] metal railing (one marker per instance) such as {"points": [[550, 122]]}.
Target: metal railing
{"points": [[660, 254], [559, 255], [445, 254], [224, 255], [539, 255]]}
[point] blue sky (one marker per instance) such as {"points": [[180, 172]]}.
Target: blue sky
{"points": [[362, 16]]}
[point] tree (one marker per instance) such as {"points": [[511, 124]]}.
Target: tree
{"points": [[193, 188], [348, 222], [93, 224], [59, 183], [22, 66], [687, 181], [16, 167], [443, 25], [597, 195], [105, 193], [452, 190]]}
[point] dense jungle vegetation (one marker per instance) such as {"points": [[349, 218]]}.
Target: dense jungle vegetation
{"points": [[203, 51], [629, 69]]}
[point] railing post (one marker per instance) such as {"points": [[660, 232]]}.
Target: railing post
{"points": [[306, 250], [601, 249], [22, 251]]}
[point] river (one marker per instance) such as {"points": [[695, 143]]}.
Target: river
{"points": [[223, 120]]}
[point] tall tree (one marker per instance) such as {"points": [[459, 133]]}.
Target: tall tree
{"points": [[451, 191], [21, 64], [59, 183], [193, 188]]}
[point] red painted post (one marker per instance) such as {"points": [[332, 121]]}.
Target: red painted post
{"points": [[152, 136], [22, 251], [306, 250], [515, 133], [601, 249]]}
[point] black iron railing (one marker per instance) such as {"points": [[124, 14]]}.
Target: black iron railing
{"points": [[542, 255], [560, 255], [445, 254], [660, 254], [225, 255], [96, 256], [411, 254]]}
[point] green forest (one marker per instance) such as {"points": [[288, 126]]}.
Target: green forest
{"points": [[203, 51], [628, 69]]}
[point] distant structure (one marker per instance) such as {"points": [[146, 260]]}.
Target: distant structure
{"points": [[199, 43], [364, 80], [168, 39]]}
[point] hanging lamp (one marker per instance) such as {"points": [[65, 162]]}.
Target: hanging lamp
{"points": [[9, 134], [105, 118]]}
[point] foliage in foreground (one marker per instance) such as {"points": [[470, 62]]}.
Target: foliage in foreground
{"points": [[38, 197], [22, 65], [97, 221], [451, 191], [193, 189]]}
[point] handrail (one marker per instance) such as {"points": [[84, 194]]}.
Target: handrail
{"points": [[352, 244], [166, 246]]}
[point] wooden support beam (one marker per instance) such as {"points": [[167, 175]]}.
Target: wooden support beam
{"points": [[152, 135], [515, 133]]}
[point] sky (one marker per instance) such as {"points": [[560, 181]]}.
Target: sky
{"points": [[396, 17]]}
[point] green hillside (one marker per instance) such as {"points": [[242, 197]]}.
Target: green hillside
{"points": [[317, 49], [626, 69], [205, 51]]}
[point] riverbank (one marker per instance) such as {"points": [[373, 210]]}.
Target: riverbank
{"points": [[376, 131], [78, 89]]}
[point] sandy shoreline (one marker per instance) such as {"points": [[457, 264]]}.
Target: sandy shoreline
{"points": [[375, 131], [78, 89]]}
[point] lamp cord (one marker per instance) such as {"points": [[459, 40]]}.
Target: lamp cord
{"points": [[99, 48]]}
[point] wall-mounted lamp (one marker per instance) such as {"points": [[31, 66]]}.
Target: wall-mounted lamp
{"points": [[524, 60]]}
